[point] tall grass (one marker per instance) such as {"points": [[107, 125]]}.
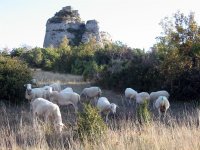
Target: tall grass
{"points": [[17, 132]]}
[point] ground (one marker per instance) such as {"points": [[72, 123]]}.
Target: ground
{"points": [[180, 131]]}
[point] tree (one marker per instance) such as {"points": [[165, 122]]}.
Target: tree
{"points": [[181, 34], [65, 53], [179, 46]]}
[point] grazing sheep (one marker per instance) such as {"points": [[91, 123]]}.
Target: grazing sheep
{"points": [[130, 94], [91, 93], [66, 98], [141, 97], [162, 104], [106, 107], [68, 89], [154, 96], [47, 109], [56, 87], [34, 93]]}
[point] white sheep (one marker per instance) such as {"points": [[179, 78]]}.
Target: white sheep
{"points": [[47, 109], [68, 89], [106, 107], [154, 96], [162, 104], [56, 87], [130, 94], [142, 97], [66, 98], [91, 93], [34, 93]]}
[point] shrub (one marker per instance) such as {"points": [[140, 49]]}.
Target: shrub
{"points": [[13, 75], [143, 114], [90, 123]]}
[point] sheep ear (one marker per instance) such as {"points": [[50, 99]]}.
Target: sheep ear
{"points": [[25, 85]]}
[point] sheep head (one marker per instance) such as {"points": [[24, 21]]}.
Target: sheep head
{"points": [[162, 108], [113, 107]]}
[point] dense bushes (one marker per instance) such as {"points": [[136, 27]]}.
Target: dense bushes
{"points": [[13, 75]]}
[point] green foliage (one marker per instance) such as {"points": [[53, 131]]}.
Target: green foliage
{"points": [[65, 56], [90, 69], [90, 123], [13, 75], [179, 46], [17, 52], [143, 113]]}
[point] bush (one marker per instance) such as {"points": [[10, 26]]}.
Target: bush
{"points": [[143, 114], [90, 123], [13, 75]]}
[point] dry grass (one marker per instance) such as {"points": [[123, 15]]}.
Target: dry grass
{"points": [[17, 133], [179, 132], [45, 77]]}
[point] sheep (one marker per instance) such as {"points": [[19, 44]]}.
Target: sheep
{"points": [[55, 87], [65, 98], [68, 89], [130, 94], [91, 92], [34, 93], [142, 97], [154, 96], [162, 104], [106, 107], [47, 109]]}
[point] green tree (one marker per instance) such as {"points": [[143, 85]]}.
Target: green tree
{"points": [[181, 34], [13, 75], [179, 46], [65, 56]]}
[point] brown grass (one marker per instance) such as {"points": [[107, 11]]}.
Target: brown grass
{"points": [[179, 132]]}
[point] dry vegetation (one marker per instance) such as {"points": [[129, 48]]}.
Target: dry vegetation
{"points": [[179, 132]]}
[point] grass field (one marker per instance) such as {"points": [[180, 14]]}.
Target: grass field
{"points": [[179, 132]]}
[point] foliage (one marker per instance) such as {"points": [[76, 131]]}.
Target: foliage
{"points": [[143, 113], [90, 123], [179, 46], [13, 75]]}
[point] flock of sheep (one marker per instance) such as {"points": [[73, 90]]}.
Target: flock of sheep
{"points": [[45, 101]]}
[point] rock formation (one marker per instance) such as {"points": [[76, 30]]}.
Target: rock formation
{"points": [[67, 23]]}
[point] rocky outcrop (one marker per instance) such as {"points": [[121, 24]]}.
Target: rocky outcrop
{"points": [[67, 23]]}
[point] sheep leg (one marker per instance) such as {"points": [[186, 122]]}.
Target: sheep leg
{"points": [[34, 120], [154, 102], [46, 117], [129, 101], [159, 114], [95, 101], [75, 108], [164, 115], [107, 117]]}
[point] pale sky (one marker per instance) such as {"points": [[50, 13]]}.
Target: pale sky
{"points": [[133, 22]]}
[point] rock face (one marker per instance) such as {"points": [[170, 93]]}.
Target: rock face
{"points": [[67, 23]]}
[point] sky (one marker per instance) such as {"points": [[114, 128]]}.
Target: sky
{"points": [[133, 22]]}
